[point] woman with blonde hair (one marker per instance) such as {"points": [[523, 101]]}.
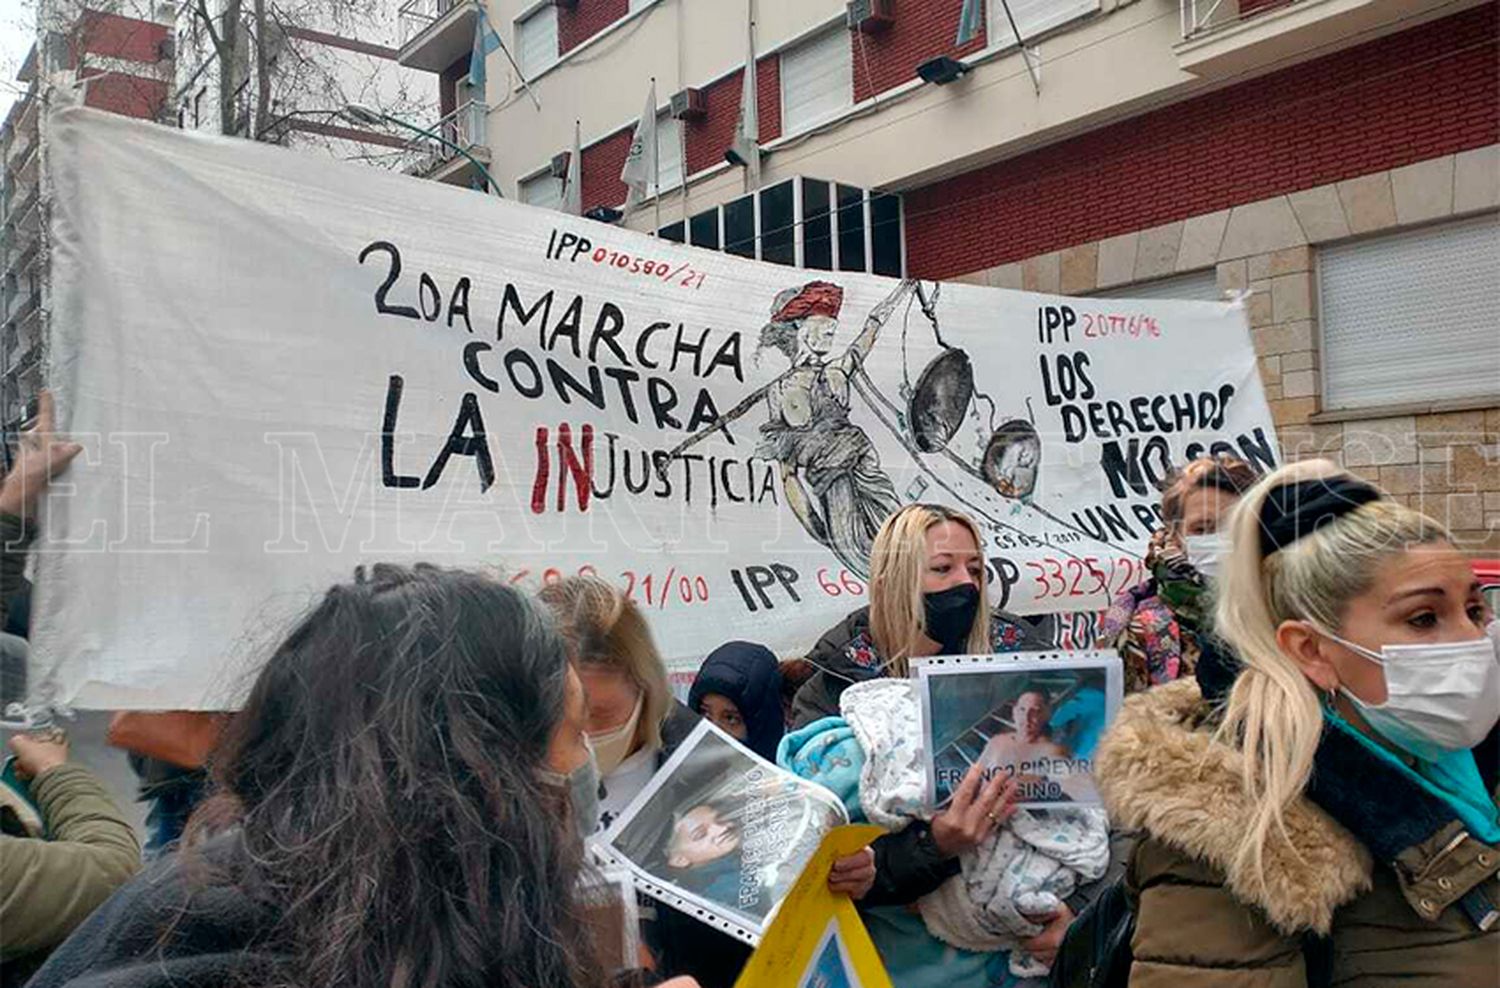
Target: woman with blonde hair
{"points": [[928, 596], [634, 725], [1316, 816]]}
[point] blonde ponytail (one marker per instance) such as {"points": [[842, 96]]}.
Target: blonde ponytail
{"points": [[1273, 713]]}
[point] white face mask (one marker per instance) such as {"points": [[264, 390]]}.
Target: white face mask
{"points": [[1439, 698], [1206, 552], [613, 746]]}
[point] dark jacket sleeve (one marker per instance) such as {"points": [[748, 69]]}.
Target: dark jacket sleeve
{"points": [[15, 539], [819, 696], [908, 865]]}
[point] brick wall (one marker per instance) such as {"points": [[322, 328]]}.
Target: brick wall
{"points": [[602, 164], [585, 20], [707, 139], [112, 36], [923, 29], [127, 95], [1428, 91]]}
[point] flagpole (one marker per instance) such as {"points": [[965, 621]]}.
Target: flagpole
{"points": [[655, 159], [505, 49]]}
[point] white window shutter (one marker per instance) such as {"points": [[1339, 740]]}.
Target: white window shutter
{"points": [[669, 150], [1033, 17], [536, 41], [543, 190], [1410, 316], [817, 80]]}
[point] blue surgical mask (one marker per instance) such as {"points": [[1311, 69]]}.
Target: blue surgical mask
{"points": [[582, 785]]}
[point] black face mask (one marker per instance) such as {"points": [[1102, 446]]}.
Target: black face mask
{"points": [[950, 616]]}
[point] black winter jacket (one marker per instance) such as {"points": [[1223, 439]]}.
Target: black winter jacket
{"points": [[908, 864]]}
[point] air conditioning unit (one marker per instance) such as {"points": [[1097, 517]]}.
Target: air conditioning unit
{"points": [[871, 16], [559, 166], [689, 104]]}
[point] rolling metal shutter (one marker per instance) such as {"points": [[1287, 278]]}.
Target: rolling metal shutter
{"points": [[1410, 316], [817, 80]]}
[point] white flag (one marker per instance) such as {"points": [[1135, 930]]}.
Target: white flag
{"points": [[641, 173], [746, 146], [573, 184]]}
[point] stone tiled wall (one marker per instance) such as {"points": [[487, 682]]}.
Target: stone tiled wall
{"points": [[1441, 457]]}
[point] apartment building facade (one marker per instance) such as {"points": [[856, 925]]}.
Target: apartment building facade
{"points": [[125, 61], [1336, 160]]}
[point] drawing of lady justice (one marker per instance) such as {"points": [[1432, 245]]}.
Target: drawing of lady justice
{"points": [[830, 470]]}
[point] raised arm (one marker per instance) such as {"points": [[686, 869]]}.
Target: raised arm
{"points": [[878, 317], [738, 411]]}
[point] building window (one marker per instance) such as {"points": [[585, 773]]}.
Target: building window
{"points": [[536, 41], [817, 80], [1034, 17], [809, 223], [817, 226], [851, 219], [739, 227], [703, 230], [672, 232], [885, 235], [542, 190], [1409, 316], [778, 228]]}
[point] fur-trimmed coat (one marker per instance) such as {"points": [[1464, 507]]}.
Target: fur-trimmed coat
{"points": [[1406, 914]]}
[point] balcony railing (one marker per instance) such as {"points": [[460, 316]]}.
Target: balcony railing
{"points": [[1201, 17], [416, 16], [463, 128]]}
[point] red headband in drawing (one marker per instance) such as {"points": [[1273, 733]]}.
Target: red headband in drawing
{"points": [[817, 298]]}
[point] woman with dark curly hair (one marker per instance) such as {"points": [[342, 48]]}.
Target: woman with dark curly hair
{"points": [[399, 804]]}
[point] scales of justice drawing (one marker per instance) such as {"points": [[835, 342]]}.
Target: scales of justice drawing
{"points": [[831, 472]]}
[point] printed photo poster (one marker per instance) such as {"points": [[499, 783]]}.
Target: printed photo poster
{"points": [[817, 937], [722, 834], [1037, 717]]}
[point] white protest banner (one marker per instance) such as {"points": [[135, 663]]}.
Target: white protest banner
{"points": [[281, 367]]}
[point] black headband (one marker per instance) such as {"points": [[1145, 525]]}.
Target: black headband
{"points": [[1294, 510]]}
